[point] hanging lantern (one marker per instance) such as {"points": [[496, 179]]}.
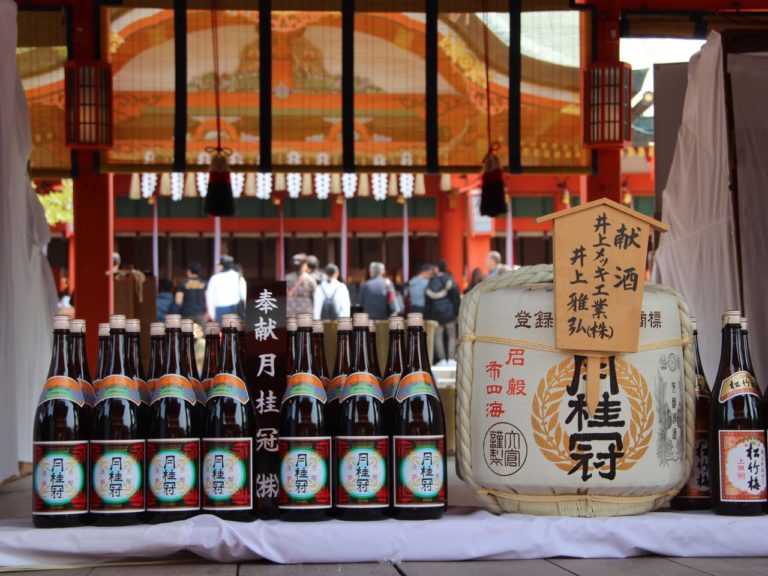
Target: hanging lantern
{"points": [[88, 104], [607, 105], [349, 184], [407, 185]]}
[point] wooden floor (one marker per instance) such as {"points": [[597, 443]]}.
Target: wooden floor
{"points": [[15, 499]]}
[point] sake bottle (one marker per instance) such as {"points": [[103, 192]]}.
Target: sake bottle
{"points": [[695, 495], [242, 342], [747, 356], [156, 355], [361, 444], [737, 434], [318, 352], [79, 366], [60, 443], [173, 447], [103, 356], [211, 360], [227, 477], [394, 368], [373, 350], [117, 456], [290, 328], [188, 351], [341, 366], [136, 370], [304, 437]]}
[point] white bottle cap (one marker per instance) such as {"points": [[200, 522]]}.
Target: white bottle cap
{"points": [[372, 326], [415, 320], [304, 320], [290, 324], [103, 329], [117, 322], [693, 322], [212, 329], [133, 325], [61, 322], [396, 323], [172, 322], [187, 325], [77, 326], [157, 329], [360, 320], [344, 324], [744, 323], [732, 317], [318, 327], [230, 321], [240, 325]]}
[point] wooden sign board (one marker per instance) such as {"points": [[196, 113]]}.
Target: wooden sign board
{"points": [[600, 251]]}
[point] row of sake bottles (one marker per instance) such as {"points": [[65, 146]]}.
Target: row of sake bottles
{"points": [[729, 457], [359, 444]]}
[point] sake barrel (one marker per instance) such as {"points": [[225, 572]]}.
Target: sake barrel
{"points": [[526, 441]]}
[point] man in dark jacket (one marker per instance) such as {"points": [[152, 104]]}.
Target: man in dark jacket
{"points": [[443, 307], [377, 296]]}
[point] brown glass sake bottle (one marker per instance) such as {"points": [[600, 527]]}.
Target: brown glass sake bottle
{"points": [[227, 471], [695, 495], [373, 350], [173, 446], [290, 328], [420, 475], [746, 355], [188, 351], [737, 437], [103, 356], [156, 355], [212, 361], [341, 367], [361, 447], [117, 460], [136, 371], [305, 438], [242, 342], [394, 368], [79, 367], [318, 352], [60, 443]]}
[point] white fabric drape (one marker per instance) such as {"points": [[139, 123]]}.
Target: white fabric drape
{"points": [[27, 292]]}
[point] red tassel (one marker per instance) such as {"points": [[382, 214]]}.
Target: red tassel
{"points": [[219, 201], [492, 201]]}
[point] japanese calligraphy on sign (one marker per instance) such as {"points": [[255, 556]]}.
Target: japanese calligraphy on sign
{"points": [[266, 355]]}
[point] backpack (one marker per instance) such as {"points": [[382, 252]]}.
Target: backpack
{"points": [[329, 311]]}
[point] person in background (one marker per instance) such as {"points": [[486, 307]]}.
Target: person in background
{"points": [[226, 290], [313, 268], [417, 288], [331, 297], [190, 295], [301, 287], [165, 303], [443, 307], [494, 264], [474, 280], [377, 296]]}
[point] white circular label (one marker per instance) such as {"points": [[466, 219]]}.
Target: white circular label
{"points": [[224, 474], [171, 475], [362, 472], [58, 478], [116, 477], [422, 472], [303, 473]]}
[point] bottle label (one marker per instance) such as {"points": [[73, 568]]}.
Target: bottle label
{"points": [[118, 386], [89, 394], [144, 392], [305, 473], [174, 386], [389, 386], [361, 384], [697, 487], [59, 477], [737, 384], [419, 471], [199, 390], [172, 466], [207, 383], [742, 465], [336, 387], [228, 386], [305, 384], [415, 383], [62, 388], [227, 483], [117, 481], [362, 469]]}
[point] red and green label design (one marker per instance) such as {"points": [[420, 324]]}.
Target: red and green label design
{"points": [[305, 473], [305, 384], [389, 385], [336, 387], [172, 475], [419, 471], [117, 476], [228, 386], [174, 386], [59, 476], [144, 391], [89, 394], [227, 482], [414, 384], [62, 388], [118, 386], [361, 384], [199, 390], [362, 470]]}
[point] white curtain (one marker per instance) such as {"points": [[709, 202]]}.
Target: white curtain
{"points": [[27, 291]]}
